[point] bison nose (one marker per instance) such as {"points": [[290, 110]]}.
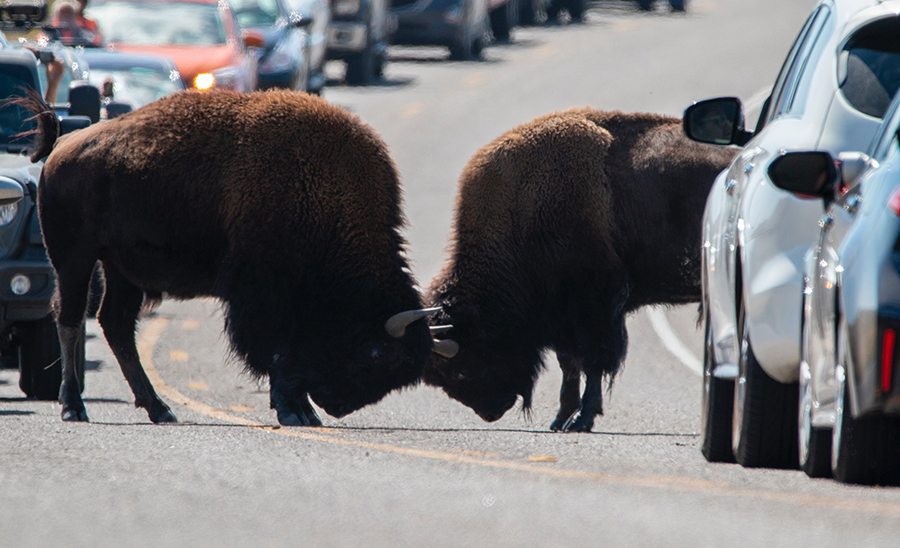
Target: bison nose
{"points": [[490, 416]]}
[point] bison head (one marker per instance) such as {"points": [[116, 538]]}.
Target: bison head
{"points": [[484, 374]]}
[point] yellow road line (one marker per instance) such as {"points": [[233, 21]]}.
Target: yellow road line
{"points": [[153, 330]]}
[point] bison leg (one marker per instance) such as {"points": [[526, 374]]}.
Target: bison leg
{"points": [[291, 406], [118, 315], [570, 392], [591, 406], [73, 278]]}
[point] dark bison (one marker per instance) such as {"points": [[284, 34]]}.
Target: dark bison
{"points": [[282, 206], [563, 226]]}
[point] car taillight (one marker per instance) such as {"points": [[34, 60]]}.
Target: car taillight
{"points": [[888, 341], [894, 201]]}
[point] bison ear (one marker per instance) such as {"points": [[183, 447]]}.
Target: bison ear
{"points": [[396, 324], [447, 348]]}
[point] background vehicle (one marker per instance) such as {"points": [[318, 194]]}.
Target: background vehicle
{"points": [[849, 420], [284, 60], [28, 338], [131, 79], [461, 25], [504, 15], [677, 5], [201, 37], [359, 34], [319, 13], [755, 235]]}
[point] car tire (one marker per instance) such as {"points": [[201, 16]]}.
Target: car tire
{"points": [[678, 5], [863, 449], [39, 357], [814, 449], [717, 405], [361, 67], [645, 5], [764, 420], [576, 10], [501, 21], [531, 12]]}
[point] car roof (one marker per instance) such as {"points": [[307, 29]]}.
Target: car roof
{"points": [[124, 60]]}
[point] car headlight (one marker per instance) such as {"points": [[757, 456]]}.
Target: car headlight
{"points": [[8, 213], [204, 81], [345, 7]]}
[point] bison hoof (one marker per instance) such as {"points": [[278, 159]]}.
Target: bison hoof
{"points": [[74, 415], [579, 423], [298, 419], [558, 424], [163, 417]]}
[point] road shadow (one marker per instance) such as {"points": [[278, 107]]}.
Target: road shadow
{"points": [[506, 431], [15, 413]]}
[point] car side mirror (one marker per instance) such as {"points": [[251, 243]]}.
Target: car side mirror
{"points": [[806, 174], [10, 191], [300, 21], [716, 122], [253, 39]]}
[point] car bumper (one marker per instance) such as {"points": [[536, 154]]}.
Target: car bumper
{"points": [[33, 305]]}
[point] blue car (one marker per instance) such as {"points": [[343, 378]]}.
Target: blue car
{"points": [[461, 25]]}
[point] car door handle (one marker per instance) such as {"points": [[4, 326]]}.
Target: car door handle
{"points": [[852, 204], [825, 222], [729, 186]]}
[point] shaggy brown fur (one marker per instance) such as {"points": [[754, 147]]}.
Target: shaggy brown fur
{"points": [[564, 225], [281, 205]]}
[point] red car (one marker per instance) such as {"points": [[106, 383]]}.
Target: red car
{"points": [[201, 37]]}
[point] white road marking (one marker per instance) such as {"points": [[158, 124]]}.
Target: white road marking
{"points": [[671, 341]]}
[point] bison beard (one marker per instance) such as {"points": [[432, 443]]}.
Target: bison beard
{"points": [[285, 208], [563, 226]]}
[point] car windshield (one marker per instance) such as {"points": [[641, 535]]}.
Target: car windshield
{"points": [[140, 85], [255, 13], [14, 81], [159, 23]]}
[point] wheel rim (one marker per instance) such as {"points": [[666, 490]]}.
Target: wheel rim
{"points": [[740, 385], [804, 422]]}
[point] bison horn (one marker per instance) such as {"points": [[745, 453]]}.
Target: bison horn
{"points": [[396, 324], [445, 347], [440, 328]]}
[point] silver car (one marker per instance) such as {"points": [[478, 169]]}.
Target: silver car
{"points": [[755, 235], [849, 419]]}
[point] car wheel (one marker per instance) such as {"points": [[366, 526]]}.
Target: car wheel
{"points": [[40, 366], [764, 424], [576, 10], [645, 5], [678, 5], [501, 21], [531, 12], [361, 67], [864, 449], [814, 443], [717, 405]]}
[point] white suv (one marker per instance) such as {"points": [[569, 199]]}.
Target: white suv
{"points": [[828, 96]]}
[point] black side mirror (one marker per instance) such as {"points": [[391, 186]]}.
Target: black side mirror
{"points": [[716, 122], [84, 100], [807, 174], [300, 21], [68, 124]]}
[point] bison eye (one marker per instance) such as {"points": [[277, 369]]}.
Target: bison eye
{"points": [[375, 355]]}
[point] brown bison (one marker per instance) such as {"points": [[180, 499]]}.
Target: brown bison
{"points": [[563, 226], [282, 206]]}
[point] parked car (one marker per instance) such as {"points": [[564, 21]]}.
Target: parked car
{"points": [[755, 235], [284, 60], [461, 25], [201, 37], [849, 419], [359, 34], [129, 81], [28, 338], [318, 12]]}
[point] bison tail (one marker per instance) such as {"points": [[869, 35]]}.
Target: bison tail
{"points": [[47, 130]]}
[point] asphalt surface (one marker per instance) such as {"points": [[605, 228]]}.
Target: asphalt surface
{"points": [[419, 469]]}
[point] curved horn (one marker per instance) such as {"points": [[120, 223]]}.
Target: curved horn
{"points": [[439, 328], [447, 348], [396, 324]]}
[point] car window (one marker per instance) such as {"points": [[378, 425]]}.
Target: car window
{"points": [[150, 23], [887, 133], [255, 13], [869, 69], [795, 87], [14, 81]]}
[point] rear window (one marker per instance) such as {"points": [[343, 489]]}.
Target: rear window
{"points": [[870, 67], [159, 23]]}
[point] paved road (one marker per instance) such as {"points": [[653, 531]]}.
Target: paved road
{"points": [[419, 469]]}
